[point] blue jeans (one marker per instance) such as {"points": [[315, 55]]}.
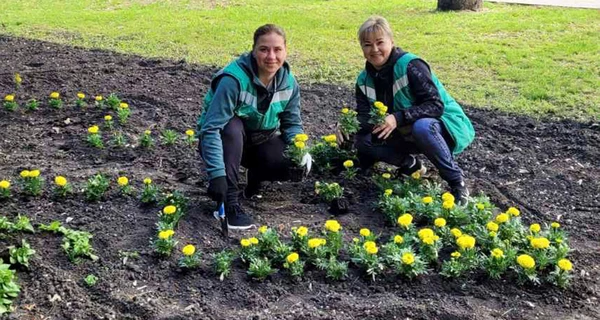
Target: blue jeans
{"points": [[426, 136]]}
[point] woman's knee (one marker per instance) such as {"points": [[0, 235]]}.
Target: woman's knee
{"points": [[233, 130], [423, 129]]}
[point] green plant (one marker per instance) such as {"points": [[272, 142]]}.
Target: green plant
{"points": [[77, 245], [55, 100], [54, 226], [405, 262], [113, 101], [297, 150], [63, 187], [119, 140], [126, 255], [124, 186], [9, 103], [18, 80], [329, 191], [169, 137], [99, 101], [365, 255], [22, 223], [123, 113], [31, 182], [32, 105], [90, 280], [260, 268], [21, 254], [349, 123], [222, 263], [175, 198], [294, 265], [96, 187], [108, 122], [4, 189], [80, 102], [249, 249], [335, 269], [191, 257], [165, 242], [378, 113], [9, 289], [149, 192], [350, 171], [94, 138], [498, 262], [146, 140], [190, 137]]}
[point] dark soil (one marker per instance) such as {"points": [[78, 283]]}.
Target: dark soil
{"points": [[549, 169]]}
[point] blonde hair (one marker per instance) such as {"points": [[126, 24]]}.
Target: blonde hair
{"points": [[374, 25]]}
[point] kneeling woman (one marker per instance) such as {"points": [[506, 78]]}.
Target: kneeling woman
{"points": [[251, 113], [423, 117]]}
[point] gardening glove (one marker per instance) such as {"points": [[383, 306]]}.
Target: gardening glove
{"points": [[217, 189], [306, 162]]}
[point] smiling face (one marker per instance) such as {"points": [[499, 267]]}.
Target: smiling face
{"points": [[270, 53], [377, 47]]}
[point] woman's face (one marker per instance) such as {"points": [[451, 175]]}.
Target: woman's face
{"points": [[377, 48], [270, 53]]}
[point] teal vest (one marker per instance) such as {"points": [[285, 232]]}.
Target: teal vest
{"points": [[454, 119], [246, 106]]}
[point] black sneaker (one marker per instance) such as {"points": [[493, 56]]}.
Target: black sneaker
{"points": [[415, 166], [460, 193], [237, 219]]}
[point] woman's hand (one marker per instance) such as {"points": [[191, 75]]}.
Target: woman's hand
{"points": [[386, 128]]}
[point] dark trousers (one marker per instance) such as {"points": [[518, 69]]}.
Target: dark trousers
{"points": [[265, 161], [427, 136]]}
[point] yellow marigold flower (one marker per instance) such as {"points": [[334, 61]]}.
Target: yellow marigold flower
{"points": [[24, 174], [330, 138], [99, 98], [455, 254], [189, 132], [398, 239], [108, 117], [348, 164], [465, 242], [526, 261], [448, 204], [383, 111], [535, 228], [54, 95], [169, 209], [292, 257], [388, 192], [80, 95], [345, 110], [405, 220], [513, 211], [369, 244], [123, 105], [408, 258], [565, 264], [60, 181], [245, 243], [188, 250], [122, 181], [480, 206], [372, 249], [147, 132], [555, 225], [447, 196], [93, 129], [302, 231], [332, 225], [303, 137], [166, 234], [427, 200], [378, 104], [315, 242], [493, 234], [4, 184], [430, 240], [540, 243], [263, 229], [492, 226], [425, 233], [386, 175], [9, 98], [497, 253], [34, 173], [501, 218], [300, 145], [147, 181], [456, 232], [439, 222], [18, 78], [416, 175], [365, 232], [253, 240]]}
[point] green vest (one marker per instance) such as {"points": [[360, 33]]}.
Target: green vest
{"points": [[454, 119], [246, 106]]}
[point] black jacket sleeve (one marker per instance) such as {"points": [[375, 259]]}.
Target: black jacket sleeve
{"points": [[363, 107], [428, 102]]}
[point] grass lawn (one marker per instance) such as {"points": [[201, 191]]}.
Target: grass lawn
{"points": [[521, 59]]}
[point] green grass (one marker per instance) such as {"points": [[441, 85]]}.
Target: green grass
{"points": [[516, 58]]}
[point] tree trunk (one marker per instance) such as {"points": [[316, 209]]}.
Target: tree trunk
{"points": [[474, 5]]}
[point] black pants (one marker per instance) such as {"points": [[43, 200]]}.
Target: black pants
{"points": [[265, 161]]}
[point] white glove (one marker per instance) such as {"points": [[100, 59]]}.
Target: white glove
{"points": [[307, 162]]}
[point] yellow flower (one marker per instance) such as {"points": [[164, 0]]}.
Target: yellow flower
{"points": [[245, 243], [166, 234], [263, 229], [300, 145], [316, 242], [54, 95], [501, 218], [80, 95], [292, 257], [540, 243], [365, 232], [9, 98], [383, 110], [398, 239], [448, 204], [378, 105], [535, 228], [188, 250], [169, 209], [492, 226], [565, 264], [480, 206], [425, 233], [408, 258], [348, 164], [427, 200], [555, 225], [456, 232], [526, 261], [122, 181], [345, 110], [99, 98], [189, 132], [4, 184], [386, 175], [405, 220], [147, 181], [24, 174], [465, 242], [497, 253], [302, 231], [388, 192], [369, 244], [332, 225], [93, 129], [355, 240], [493, 234], [455, 254], [333, 144], [18, 78], [372, 249], [108, 117], [513, 211], [253, 240], [416, 175], [303, 137], [34, 173], [60, 181], [439, 222], [447, 196], [147, 132], [123, 105], [330, 138], [430, 240]]}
